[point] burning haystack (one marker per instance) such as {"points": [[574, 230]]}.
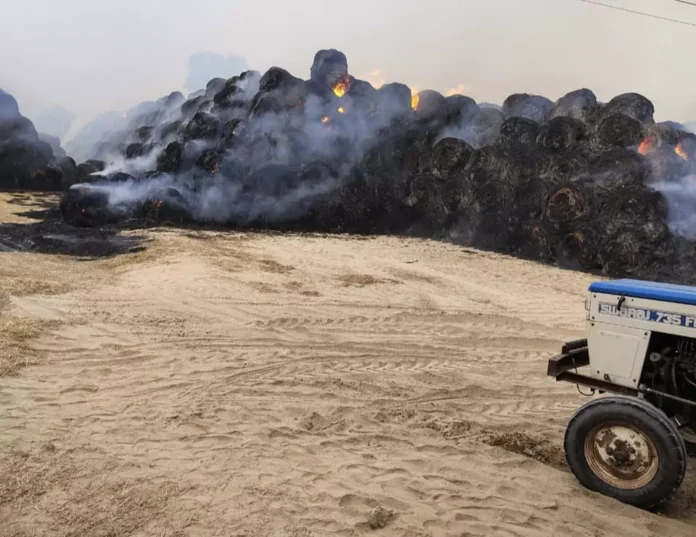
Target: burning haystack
{"points": [[577, 182], [30, 160]]}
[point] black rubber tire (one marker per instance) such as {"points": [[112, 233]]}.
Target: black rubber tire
{"points": [[654, 423]]}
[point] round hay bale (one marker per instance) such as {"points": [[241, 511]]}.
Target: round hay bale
{"points": [[563, 134], [579, 104], [518, 131], [632, 105], [620, 130], [450, 157], [534, 107]]}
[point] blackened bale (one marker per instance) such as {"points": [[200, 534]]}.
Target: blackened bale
{"points": [[171, 159], [9, 109], [618, 169], [20, 161], [563, 134], [632, 105], [484, 127], [202, 127], [460, 108], [579, 104], [214, 86], [394, 100], [534, 107], [87, 206], [620, 130], [518, 131], [450, 158], [329, 67], [166, 205], [278, 91], [431, 106], [17, 127]]}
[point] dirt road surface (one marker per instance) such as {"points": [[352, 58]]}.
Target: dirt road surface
{"points": [[228, 384]]}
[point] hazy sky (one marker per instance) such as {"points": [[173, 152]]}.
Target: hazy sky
{"points": [[92, 56]]}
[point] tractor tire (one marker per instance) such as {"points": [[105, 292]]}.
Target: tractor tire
{"points": [[627, 449]]}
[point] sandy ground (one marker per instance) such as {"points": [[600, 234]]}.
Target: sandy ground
{"points": [[221, 384]]}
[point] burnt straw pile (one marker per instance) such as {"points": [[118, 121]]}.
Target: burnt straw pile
{"points": [[30, 160], [584, 184]]}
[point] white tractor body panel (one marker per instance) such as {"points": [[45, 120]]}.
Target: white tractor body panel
{"points": [[618, 339]]}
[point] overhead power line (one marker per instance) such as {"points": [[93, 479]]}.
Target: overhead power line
{"points": [[642, 13], [687, 3]]}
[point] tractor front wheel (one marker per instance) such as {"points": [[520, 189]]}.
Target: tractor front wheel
{"points": [[625, 448]]}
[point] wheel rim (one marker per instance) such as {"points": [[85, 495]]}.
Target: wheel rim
{"points": [[621, 455]]}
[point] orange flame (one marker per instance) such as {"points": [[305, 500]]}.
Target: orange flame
{"points": [[325, 119], [340, 89], [645, 146], [679, 150], [341, 110], [415, 100]]}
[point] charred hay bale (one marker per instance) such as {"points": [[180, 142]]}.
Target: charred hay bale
{"points": [[171, 159], [170, 130], [528, 199], [92, 166], [632, 105], [529, 239], [9, 109], [190, 107], [214, 86], [450, 158], [165, 205], [430, 106], [202, 127], [632, 207], [563, 134], [230, 96], [134, 151], [210, 160], [394, 100], [534, 107], [666, 165], [16, 128], [207, 107], [508, 167], [619, 169], [483, 128], [436, 202], [88, 206], [638, 251], [491, 198], [329, 68], [460, 108], [579, 104], [234, 133], [518, 131], [578, 249], [570, 204], [620, 130], [47, 179], [54, 142], [417, 148], [20, 161], [71, 174], [363, 98], [565, 166], [278, 91], [144, 133]]}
